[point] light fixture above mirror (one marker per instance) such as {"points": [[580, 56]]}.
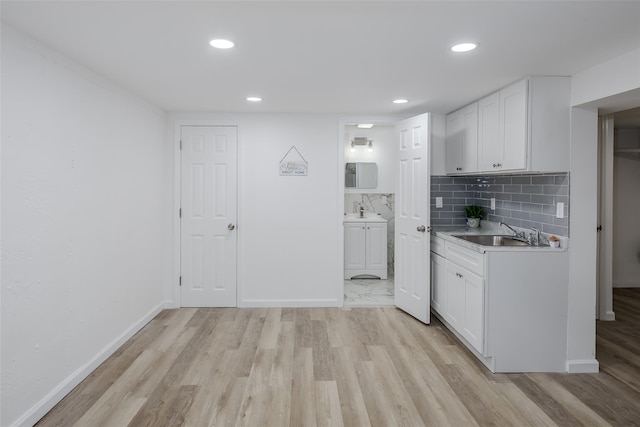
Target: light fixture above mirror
{"points": [[361, 141]]}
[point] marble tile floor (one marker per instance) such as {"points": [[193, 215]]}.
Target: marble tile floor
{"points": [[368, 292]]}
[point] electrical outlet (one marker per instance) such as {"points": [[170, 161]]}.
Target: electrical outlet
{"points": [[493, 203], [438, 202], [560, 210]]}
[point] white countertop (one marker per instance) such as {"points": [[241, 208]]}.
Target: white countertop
{"points": [[493, 228], [368, 217]]}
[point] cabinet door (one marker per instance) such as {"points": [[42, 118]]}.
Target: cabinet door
{"points": [[453, 156], [376, 246], [470, 138], [438, 284], [462, 140], [354, 246], [490, 150], [473, 329], [513, 125], [454, 302]]}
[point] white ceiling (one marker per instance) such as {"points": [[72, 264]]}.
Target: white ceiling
{"points": [[327, 57]]}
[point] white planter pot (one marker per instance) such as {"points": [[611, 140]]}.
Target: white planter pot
{"points": [[473, 222]]}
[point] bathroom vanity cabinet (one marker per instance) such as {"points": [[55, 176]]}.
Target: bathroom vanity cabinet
{"points": [[365, 247]]}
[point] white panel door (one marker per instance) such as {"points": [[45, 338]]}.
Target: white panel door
{"points": [[208, 216], [412, 218]]}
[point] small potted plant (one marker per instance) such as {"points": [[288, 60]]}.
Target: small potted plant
{"points": [[474, 215]]}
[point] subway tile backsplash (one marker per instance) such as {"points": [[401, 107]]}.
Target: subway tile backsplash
{"points": [[521, 200]]}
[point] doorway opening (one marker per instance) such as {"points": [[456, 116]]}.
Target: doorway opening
{"points": [[369, 247], [617, 343], [619, 199]]}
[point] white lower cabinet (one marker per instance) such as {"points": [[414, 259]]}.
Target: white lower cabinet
{"points": [[438, 284], [508, 306], [365, 249], [464, 307], [473, 328]]}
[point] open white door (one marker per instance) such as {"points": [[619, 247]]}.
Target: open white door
{"points": [[412, 242], [208, 216]]}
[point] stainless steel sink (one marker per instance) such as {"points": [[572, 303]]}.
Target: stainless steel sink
{"points": [[492, 240]]}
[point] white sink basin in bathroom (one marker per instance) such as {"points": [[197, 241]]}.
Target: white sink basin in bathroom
{"points": [[366, 218]]}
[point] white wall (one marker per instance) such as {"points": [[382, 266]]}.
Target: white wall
{"points": [[626, 205], [583, 220], [611, 78], [289, 228], [612, 83], [86, 223]]}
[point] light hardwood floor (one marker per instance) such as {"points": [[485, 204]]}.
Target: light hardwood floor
{"points": [[334, 367]]}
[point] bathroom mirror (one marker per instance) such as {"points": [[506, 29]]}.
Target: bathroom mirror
{"points": [[361, 175]]}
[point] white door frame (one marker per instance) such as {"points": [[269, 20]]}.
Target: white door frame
{"points": [[177, 127], [604, 296], [342, 135]]}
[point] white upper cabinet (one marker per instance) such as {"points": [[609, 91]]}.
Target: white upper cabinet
{"points": [[523, 127], [462, 141], [502, 129]]}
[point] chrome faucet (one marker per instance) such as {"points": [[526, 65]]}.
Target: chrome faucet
{"points": [[539, 238], [516, 234], [361, 212]]}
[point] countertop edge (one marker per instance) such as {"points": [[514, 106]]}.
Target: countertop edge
{"points": [[447, 233]]}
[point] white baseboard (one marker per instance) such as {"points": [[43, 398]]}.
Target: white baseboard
{"points": [[608, 316], [585, 366], [618, 284], [41, 408], [254, 303]]}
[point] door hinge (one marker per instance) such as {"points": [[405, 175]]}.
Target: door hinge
{"points": [[180, 213], [599, 228], [180, 281], [181, 144]]}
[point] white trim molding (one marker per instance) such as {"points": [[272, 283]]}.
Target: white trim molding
{"points": [[590, 366], [41, 408]]}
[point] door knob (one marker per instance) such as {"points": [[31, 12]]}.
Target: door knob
{"points": [[421, 228], [231, 227]]}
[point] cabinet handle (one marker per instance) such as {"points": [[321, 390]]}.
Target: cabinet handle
{"points": [[497, 165], [458, 169], [459, 275]]}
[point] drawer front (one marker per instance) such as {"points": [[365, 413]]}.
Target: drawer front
{"points": [[466, 258], [437, 245]]}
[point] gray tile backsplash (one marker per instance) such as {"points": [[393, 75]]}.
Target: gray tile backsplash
{"points": [[521, 200]]}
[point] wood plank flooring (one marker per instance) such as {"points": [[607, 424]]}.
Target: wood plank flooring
{"points": [[342, 367]]}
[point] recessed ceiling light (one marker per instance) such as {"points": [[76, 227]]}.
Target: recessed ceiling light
{"points": [[463, 47], [365, 125], [400, 101], [254, 99], [222, 43]]}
